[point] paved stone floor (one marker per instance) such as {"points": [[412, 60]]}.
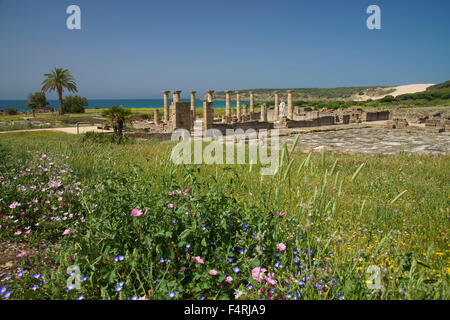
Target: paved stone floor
{"points": [[373, 141]]}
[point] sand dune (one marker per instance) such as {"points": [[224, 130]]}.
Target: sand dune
{"points": [[399, 90]]}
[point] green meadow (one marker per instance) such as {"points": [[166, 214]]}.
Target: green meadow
{"points": [[143, 227]]}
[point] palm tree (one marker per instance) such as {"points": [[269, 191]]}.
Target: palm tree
{"points": [[117, 116], [57, 80]]}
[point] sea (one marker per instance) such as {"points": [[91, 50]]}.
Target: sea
{"points": [[107, 103]]}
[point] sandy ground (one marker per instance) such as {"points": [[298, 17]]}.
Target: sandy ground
{"points": [[409, 88], [70, 130]]}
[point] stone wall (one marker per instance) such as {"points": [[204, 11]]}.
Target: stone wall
{"points": [[181, 115]]}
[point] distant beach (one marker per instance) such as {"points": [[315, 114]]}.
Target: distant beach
{"points": [[106, 103]]}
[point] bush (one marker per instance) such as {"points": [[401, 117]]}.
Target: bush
{"points": [[74, 104], [10, 111]]}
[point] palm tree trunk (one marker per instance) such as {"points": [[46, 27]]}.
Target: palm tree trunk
{"points": [[60, 102]]}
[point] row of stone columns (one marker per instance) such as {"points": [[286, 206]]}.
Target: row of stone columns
{"points": [[239, 112]]}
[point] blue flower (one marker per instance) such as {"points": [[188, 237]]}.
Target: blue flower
{"points": [[120, 284], [3, 289], [70, 287], [118, 288], [37, 276], [278, 265], [151, 247], [295, 252], [6, 278], [80, 298], [203, 228], [40, 283], [173, 221], [121, 258], [249, 287], [168, 260], [186, 247], [186, 212], [201, 298], [20, 273], [288, 295], [295, 260], [171, 294], [236, 270], [84, 279], [161, 260], [134, 297], [7, 295], [33, 288]]}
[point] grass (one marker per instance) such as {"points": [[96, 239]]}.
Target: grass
{"points": [[343, 213]]}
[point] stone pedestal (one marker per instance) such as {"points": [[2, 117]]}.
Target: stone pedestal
{"points": [[181, 115], [208, 115], [166, 106], [156, 117], [263, 113]]}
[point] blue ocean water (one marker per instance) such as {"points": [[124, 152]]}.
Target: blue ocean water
{"points": [[106, 103]]}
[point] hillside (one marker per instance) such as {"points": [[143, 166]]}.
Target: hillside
{"points": [[340, 93]]}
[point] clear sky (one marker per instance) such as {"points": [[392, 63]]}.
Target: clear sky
{"points": [[136, 48]]}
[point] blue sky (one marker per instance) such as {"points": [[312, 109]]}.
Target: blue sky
{"points": [[136, 48]]}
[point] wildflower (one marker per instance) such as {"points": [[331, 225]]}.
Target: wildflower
{"points": [[229, 279], [118, 288], [201, 298], [282, 213], [6, 278], [270, 280], [37, 276], [84, 279], [70, 287], [119, 258], [134, 297], [258, 273], [186, 247], [7, 295], [136, 212], [161, 260], [3, 289], [20, 273], [14, 205], [171, 294], [170, 205], [22, 255], [236, 270], [66, 232], [198, 260], [278, 265], [212, 272], [281, 246], [80, 298], [33, 288]]}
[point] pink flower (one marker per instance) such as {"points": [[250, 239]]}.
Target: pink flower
{"points": [[66, 232], [198, 260], [137, 213], [170, 205], [14, 205], [258, 273], [212, 272], [186, 190], [229, 279], [282, 213], [281, 247], [18, 232], [270, 280], [22, 255]]}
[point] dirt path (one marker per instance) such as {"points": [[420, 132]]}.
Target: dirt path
{"points": [[70, 130]]}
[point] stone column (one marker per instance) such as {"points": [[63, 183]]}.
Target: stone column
{"points": [[263, 113], [166, 106], [244, 112], [238, 106], [277, 103], [176, 95], [156, 117], [252, 104], [228, 106], [290, 106], [210, 95], [193, 106]]}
